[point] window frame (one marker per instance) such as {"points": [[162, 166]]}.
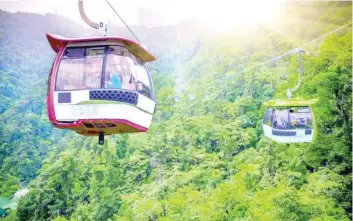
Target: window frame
{"points": [[267, 113], [102, 85], [74, 47], [288, 116]]}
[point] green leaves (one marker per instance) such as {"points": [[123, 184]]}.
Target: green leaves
{"points": [[204, 156]]}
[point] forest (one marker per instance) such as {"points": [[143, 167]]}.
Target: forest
{"points": [[205, 157]]}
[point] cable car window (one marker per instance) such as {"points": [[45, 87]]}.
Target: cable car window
{"points": [[280, 119], [123, 71], [142, 80], [292, 118], [116, 72], [301, 120], [303, 109], [268, 117], [74, 53], [80, 68], [95, 51]]}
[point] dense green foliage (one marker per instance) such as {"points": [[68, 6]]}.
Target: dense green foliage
{"points": [[205, 156]]}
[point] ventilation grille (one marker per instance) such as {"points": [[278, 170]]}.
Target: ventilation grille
{"points": [[99, 125], [88, 125], [114, 95], [283, 133]]}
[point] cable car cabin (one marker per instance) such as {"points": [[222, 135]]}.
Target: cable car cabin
{"points": [[100, 85], [289, 121]]}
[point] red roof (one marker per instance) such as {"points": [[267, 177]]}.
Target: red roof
{"points": [[56, 42]]}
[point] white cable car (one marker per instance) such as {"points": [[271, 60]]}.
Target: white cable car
{"points": [[290, 121]]}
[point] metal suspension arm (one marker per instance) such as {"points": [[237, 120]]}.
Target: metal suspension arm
{"points": [[299, 51], [84, 16]]}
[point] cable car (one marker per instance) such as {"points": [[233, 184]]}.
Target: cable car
{"points": [[100, 86], [290, 121]]}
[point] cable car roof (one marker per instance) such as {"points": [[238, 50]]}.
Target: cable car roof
{"points": [[137, 49], [290, 102]]}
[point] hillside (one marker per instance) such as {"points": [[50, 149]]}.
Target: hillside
{"points": [[205, 156]]}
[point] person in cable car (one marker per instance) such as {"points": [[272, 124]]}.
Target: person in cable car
{"points": [[113, 71], [281, 119], [115, 81], [113, 78], [294, 124], [290, 121]]}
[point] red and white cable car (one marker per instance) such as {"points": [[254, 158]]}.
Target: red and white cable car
{"points": [[100, 86]]}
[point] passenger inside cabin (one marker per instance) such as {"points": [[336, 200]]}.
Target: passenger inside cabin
{"points": [[281, 119], [300, 119], [113, 75], [119, 69], [294, 123], [114, 81], [129, 82]]}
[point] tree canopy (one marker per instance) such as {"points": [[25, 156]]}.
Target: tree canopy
{"points": [[205, 156]]}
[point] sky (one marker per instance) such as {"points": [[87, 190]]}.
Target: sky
{"points": [[220, 13]]}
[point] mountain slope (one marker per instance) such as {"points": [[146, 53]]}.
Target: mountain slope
{"points": [[205, 157]]}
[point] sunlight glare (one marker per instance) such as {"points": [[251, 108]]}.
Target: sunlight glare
{"points": [[228, 14]]}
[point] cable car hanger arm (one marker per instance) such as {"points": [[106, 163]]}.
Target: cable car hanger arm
{"points": [[100, 25], [84, 16], [298, 51]]}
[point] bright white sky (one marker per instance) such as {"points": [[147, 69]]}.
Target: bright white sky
{"points": [[221, 13]]}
